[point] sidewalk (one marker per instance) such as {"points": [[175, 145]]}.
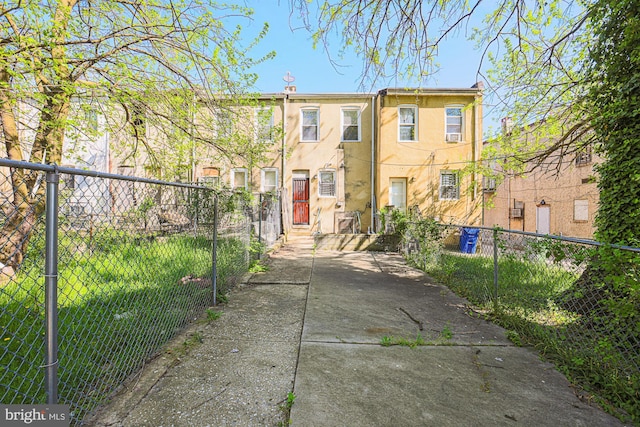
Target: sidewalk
{"points": [[313, 324]]}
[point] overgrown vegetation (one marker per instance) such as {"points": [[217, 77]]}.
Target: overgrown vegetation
{"points": [[120, 299], [590, 332]]}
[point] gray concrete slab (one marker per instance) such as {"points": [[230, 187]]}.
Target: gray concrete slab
{"points": [[238, 375], [291, 264], [360, 297], [476, 377], [363, 385], [313, 324]]}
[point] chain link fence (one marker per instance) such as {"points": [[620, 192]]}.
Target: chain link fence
{"points": [[99, 271], [576, 301]]}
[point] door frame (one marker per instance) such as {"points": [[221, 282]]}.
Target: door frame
{"points": [[300, 206], [539, 217]]}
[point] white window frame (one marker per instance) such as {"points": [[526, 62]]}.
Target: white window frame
{"points": [[333, 173], [263, 174], [302, 124], [358, 112], [233, 178], [444, 188], [581, 210], [264, 131], [453, 136], [414, 124], [223, 124]]}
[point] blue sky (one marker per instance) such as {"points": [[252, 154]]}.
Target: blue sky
{"points": [[313, 71]]}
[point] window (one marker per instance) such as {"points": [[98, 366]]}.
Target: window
{"points": [[91, 119], [224, 124], [449, 186], [310, 124], [453, 124], [239, 178], [407, 119], [581, 210], [138, 123], [269, 180], [488, 184], [327, 183], [398, 193], [584, 156], [350, 124], [209, 181], [264, 124]]}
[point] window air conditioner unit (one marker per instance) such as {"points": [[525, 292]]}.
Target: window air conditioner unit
{"points": [[453, 137], [489, 185], [516, 213]]}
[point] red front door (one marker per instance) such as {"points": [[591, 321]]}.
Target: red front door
{"points": [[300, 201]]}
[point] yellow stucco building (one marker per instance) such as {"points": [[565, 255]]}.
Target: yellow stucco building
{"points": [[341, 157]]}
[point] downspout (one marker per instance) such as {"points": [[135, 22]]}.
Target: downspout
{"points": [[284, 140], [373, 162], [284, 227]]}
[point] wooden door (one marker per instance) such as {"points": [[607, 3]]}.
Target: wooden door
{"points": [[300, 201]]}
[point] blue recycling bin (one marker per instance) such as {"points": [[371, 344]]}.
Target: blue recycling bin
{"points": [[469, 240]]}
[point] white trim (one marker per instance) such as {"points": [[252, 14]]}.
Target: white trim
{"points": [[262, 179], [258, 125], [233, 177], [335, 183], [358, 110], [403, 205], [455, 173], [302, 125], [415, 122], [454, 136]]}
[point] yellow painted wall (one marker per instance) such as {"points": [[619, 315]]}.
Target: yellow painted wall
{"points": [[421, 161], [350, 160]]}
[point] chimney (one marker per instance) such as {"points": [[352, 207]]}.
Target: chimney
{"points": [[478, 85]]}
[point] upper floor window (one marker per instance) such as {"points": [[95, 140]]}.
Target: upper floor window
{"points": [[310, 124], [350, 124], [239, 178], [584, 156], [327, 183], [407, 123], [264, 124], [269, 180], [449, 185], [453, 124], [224, 124]]}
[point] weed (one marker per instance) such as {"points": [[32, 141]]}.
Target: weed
{"points": [[514, 337], [213, 314], [258, 267], [388, 341], [285, 407], [446, 333]]}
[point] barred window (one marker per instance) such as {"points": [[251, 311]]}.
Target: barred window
{"points": [[327, 183], [449, 186]]}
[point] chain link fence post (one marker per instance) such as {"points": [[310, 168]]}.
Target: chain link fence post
{"points": [[214, 278], [51, 287], [495, 268]]}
